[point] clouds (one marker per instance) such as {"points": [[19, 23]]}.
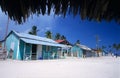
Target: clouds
{"points": [[43, 23]]}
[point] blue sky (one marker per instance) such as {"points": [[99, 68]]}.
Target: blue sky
{"points": [[72, 27]]}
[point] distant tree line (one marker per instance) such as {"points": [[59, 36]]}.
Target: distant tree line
{"points": [[57, 36], [48, 34], [114, 48]]}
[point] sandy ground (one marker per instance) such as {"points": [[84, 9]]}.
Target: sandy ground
{"points": [[102, 67]]}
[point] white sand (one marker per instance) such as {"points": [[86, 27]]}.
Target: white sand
{"points": [[102, 67]]}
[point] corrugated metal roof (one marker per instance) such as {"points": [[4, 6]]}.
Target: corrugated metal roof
{"points": [[37, 40], [84, 47], [28, 36], [42, 42]]}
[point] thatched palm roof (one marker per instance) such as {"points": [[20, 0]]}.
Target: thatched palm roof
{"points": [[20, 10]]}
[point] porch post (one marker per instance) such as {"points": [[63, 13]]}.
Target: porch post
{"points": [[57, 53], [77, 53], [18, 49], [71, 53], [24, 51], [31, 53], [61, 53], [67, 52], [47, 52]]}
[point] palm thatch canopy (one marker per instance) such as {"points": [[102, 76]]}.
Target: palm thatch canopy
{"points": [[20, 10]]}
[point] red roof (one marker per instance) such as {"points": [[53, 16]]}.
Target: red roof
{"points": [[63, 42], [59, 41]]}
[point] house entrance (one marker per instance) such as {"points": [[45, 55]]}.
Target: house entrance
{"points": [[34, 52], [75, 54]]}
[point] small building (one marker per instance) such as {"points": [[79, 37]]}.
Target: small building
{"points": [[76, 51], [66, 50], [23, 46], [79, 50]]}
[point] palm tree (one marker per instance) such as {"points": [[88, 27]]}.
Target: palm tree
{"points": [[34, 30], [119, 45], [63, 37], [114, 46], [57, 36], [117, 48], [48, 34], [78, 42]]}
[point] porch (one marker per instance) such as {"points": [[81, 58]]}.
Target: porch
{"points": [[40, 52]]}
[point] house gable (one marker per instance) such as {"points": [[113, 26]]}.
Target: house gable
{"points": [[12, 41]]}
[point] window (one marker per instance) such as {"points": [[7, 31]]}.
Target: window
{"points": [[12, 45]]}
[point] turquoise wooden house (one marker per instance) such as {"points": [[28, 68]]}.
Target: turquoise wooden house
{"points": [[79, 50], [76, 51], [23, 46]]}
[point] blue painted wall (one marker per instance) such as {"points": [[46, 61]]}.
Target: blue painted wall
{"points": [[25, 49], [12, 39], [21, 50], [77, 49], [47, 54]]}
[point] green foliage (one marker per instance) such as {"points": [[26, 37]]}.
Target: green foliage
{"points": [[63, 37], [33, 30], [116, 47], [48, 34], [78, 41], [57, 36]]}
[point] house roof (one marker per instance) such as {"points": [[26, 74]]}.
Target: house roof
{"points": [[41, 42], [63, 42], [84, 47], [36, 39], [59, 41], [33, 37]]}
